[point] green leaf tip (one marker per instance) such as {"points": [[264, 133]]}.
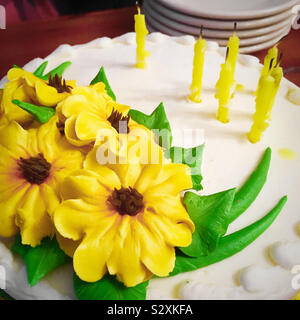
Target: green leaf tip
{"points": [[230, 244], [40, 70], [246, 195], [158, 122], [40, 260], [41, 114], [108, 288], [101, 77], [210, 216], [59, 70]]}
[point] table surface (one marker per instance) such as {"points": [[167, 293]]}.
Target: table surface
{"points": [[24, 41]]}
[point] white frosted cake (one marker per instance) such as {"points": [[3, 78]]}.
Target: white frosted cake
{"points": [[263, 270]]}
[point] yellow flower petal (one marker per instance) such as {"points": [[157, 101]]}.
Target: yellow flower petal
{"points": [[128, 173], [15, 74], [90, 257], [83, 184], [73, 217], [68, 246], [14, 138], [172, 179], [106, 176], [170, 207], [147, 176], [47, 95], [50, 196], [88, 126], [176, 233], [95, 94], [8, 209], [70, 132], [32, 218], [156, 254], [125, 261], [10, 110]]}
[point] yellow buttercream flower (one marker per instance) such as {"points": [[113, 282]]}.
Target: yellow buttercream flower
{"points": [[32, 165], [88, 111], [26, 87], [126, 219]]}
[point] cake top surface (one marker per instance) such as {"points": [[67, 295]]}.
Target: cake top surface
{"points": [[229, 158]]}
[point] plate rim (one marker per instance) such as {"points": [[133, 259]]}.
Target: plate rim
{"points": [[229, 15], [251, 33], [219, 24]]}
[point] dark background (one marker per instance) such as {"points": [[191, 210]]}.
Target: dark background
{"points": [[75, 7]]}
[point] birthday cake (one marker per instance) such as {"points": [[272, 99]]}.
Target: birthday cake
{"points": [[128, 230]]}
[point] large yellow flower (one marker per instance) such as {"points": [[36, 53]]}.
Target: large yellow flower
{"points": [[32, 165], [26, 87], [88, 111], [126, 219]]}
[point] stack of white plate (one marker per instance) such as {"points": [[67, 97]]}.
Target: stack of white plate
{"points": [[259, 23]]}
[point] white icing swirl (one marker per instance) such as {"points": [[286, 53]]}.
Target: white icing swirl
{"points": [[127, 38], [293, 96], [155, 37], [248, 61], [256, 283], [286, 254], [212, 45], [186, 40], [65, 50]]}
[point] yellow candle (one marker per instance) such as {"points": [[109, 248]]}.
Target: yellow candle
{"points": [[271, 55], [225, 89], [141, 32], [264, 103], [233, 50], [196, 86]]}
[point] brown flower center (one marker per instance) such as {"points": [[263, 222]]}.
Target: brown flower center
{"points": [[119, 122], [126, 201], [35, 169], [59, 84], [61, 127]]}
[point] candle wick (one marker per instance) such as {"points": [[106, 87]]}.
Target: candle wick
{"points": [[227, 52], [279, 60], [235, 27], [271, 64], [138, 7], [201, 31]]}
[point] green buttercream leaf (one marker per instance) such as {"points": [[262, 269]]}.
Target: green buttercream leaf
{"points": [[158, 122], [41, 114], [40, 260], [246, 195], [210, 216], [108, 288], [40, 70], [229, 245], [101, 77], [58, 70], [16, 66], [19, 248], [191, 157]]}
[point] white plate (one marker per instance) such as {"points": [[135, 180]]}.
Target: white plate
{"points": [[217, 24], [230, 9], [246, 45], [212, 33], [254, 48]]}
